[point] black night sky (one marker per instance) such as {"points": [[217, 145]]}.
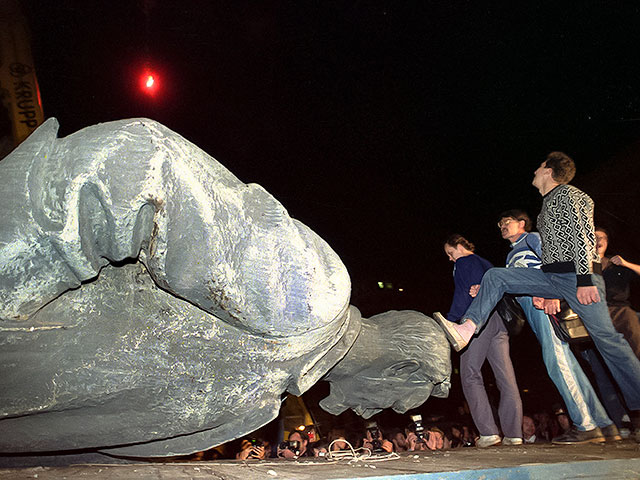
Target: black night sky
{"points": [[383, 125]]}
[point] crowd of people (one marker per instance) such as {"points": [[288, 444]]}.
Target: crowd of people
{"points": [[563, 268], [375, 439], [565, 261]]}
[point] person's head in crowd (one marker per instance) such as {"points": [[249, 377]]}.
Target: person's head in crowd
{"points": [[456, 246], [312, 433], [563, 419], [455, 434], [302, 437], [254, 448], [438, 440], [528, 428], [513, 223], [339, 444], [431, 439], [543, 425], [299, 438], [417, 435], [602, 241], [374, 439], [206, 455], [468, 435], [399, 440], [337, 439]]}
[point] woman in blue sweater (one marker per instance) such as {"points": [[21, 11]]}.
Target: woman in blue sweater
{"points": [[491, 344]]}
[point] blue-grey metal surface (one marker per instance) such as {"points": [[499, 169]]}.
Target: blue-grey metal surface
{"points": [[152, 304]]}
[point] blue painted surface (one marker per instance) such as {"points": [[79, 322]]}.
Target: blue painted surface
{"points": [[610, 469]]}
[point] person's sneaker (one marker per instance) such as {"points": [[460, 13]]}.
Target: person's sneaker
{"points": [[451, 330], [625, 433], [611, 433], [575, 437], [486, 441], [511, 441]]}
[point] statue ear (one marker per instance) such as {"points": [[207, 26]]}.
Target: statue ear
{"points": [[402, 369]]}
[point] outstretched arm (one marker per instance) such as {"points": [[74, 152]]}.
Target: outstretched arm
{"points": [[618, 260]]}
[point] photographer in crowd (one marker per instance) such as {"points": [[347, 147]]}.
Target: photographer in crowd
{"points": [[375, 441], [253, 449], [419, 439], [296, 446]]}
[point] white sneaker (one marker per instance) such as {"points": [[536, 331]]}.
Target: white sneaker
{"points": [[511, 441], [488, 441]]}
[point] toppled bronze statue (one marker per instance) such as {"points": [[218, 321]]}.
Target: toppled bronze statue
{"points": [[152, 304]]}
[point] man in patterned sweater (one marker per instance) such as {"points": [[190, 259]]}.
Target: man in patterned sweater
{"points": [[590, 421], [570, 269]]}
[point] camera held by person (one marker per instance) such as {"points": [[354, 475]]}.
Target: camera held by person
{"points": [[417, 428], [374, 440], [252, 449], [296, 446]]}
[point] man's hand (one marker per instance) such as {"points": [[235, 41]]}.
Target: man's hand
{"points": [[412, 441], [252, 452], [387, 446], [243, 454], [432, 441], [286, 453], [538, 302], [474, 289], [551, 306], [618, 260], [258, 452], [588, 295]]}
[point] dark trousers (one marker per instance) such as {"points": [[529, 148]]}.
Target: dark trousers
{"points": [[492, 344]]}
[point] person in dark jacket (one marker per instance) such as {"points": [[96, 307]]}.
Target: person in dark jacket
{"points": [[492, 344]]}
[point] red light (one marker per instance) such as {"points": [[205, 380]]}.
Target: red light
{"points": [[149, 84]]}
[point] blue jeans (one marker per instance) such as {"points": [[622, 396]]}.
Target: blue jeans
{"points": [[581, 400], [617, 354], [608, 392]]}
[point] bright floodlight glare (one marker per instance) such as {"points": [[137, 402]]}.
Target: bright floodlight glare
{"points": [[150, 81]]}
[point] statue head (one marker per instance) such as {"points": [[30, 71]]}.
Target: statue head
{"points": [[399, 359]]}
